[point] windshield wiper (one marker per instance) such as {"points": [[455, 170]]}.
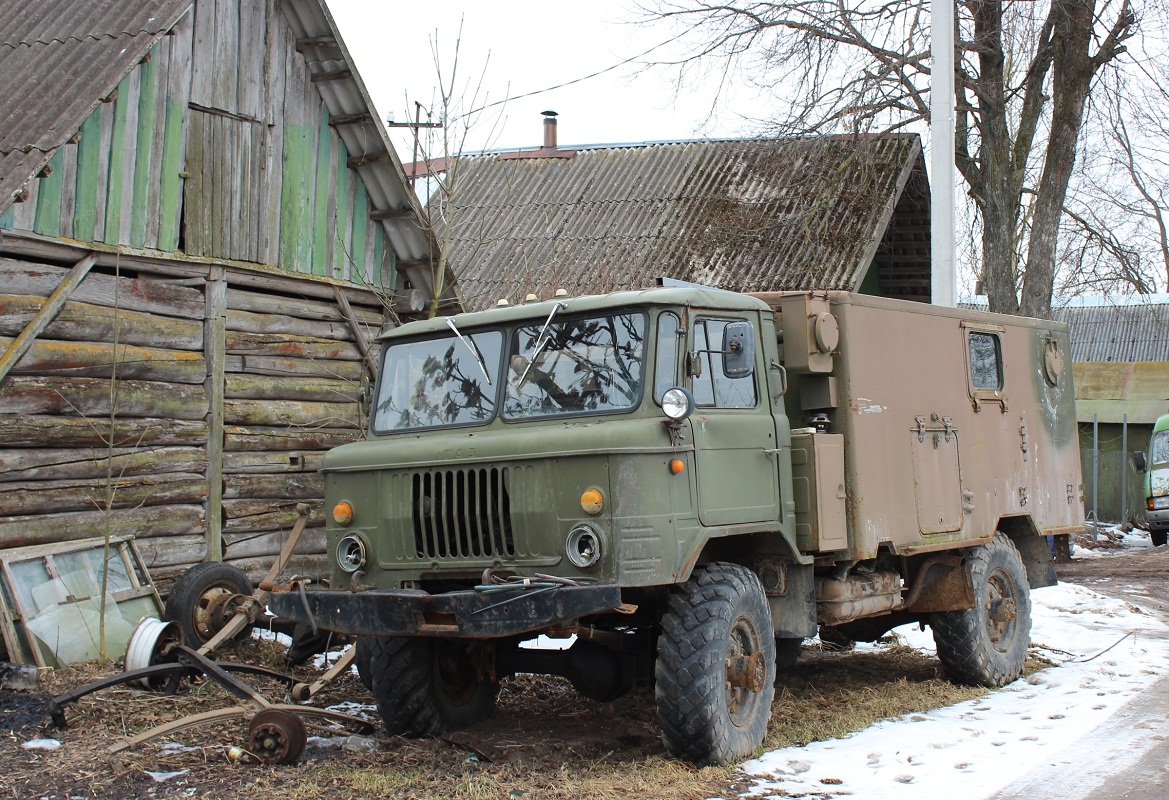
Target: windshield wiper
{"points": [[470, 344], [541, 342]]}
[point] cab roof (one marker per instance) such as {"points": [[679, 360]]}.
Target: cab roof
{"points": [[700, 297]]}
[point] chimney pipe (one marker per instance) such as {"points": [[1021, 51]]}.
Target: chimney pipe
{"points": [[549, 130]]}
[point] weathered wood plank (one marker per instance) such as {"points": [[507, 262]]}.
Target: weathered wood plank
{"points": [[276, 57], [90, 397], [225, 75], [160, 55], [171, 551], [86, 322], [213, 335], [37, 529], [288, 486], [134, 294], [251, 545], [86, 188], [323, 206], [203, 49], [143, 163], [197, 232], [178, 89], [277, 323], [240, 511], [45, 314], [50, 463], [255, 437], [339, 236], [48, 217], [259, 462], [121, 151], [291, 367], [87, 494], [327, 311], [56, 431], [252, 24], [101, 360], [242, 386], [289, 345], [291, 412]]}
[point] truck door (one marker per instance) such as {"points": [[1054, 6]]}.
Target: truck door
{"points": [[736, 476]]}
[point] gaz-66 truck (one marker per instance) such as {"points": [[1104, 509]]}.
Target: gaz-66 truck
{"points": [[689, 482]]}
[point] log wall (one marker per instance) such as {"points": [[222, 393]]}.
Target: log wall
{"points": [[191, 412]]}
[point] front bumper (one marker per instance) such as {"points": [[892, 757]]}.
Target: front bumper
{"points": [[465, 614], [1158, 520]]}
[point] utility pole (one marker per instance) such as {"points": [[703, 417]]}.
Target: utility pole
{"points": [[416, 125], [942, 153]]}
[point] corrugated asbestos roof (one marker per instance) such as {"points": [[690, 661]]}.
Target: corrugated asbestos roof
{"points": [[1117, 333], [747, 215], [58, 59]]}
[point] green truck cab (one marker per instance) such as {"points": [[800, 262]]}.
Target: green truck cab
{"points": [[1155, 467], [690, 482]]}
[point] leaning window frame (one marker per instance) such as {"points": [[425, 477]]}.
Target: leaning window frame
{"points": [[979, 396], [702, 318]]}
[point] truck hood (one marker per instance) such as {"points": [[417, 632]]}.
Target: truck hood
{"points": [[508, 443]]}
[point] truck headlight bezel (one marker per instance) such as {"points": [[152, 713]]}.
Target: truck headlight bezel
{"points": [[583, 547], [677, 403], [1160, 503], [350, 553]]}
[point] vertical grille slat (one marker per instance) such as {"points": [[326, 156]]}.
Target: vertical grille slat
{"points": [[462, 513]]}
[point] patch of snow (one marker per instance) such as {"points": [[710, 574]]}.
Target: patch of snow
{"points": [[162, 777], [41, 744], [1106, 650]]}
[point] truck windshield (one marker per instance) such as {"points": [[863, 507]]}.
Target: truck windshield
{"points": [[438, 382], [584, 365], [1159, 450]]}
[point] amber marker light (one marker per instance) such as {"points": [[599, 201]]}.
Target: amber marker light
{"points": [[677, 465], [343, 513], [592, 501]]}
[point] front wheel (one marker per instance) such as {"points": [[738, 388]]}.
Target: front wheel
{"points": [[716, 666], [1159, 537], [427, 687], [987, 645]]}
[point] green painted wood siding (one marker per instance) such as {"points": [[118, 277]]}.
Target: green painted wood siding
{"points": [[245, 168]]}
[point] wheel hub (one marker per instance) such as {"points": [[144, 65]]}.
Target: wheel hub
{"points": [[747, 672], [276, 737]]}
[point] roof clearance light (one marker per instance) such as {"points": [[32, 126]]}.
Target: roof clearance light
{"points": [[592, 501], [342, 513]]}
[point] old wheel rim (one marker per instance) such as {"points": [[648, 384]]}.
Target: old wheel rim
{"points": [[206, 618], [744, 653], [276, 737], [1001, 610]]}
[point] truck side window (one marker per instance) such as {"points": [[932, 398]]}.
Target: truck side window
{"points": [[986, 370], [666, 366], [1159, 451], [713, 388]]}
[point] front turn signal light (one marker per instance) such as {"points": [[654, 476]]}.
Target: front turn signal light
{"points": [[592, 501], [677, 465], [342, 513]]}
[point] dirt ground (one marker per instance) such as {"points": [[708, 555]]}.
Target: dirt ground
{"points": [[544, 741]]}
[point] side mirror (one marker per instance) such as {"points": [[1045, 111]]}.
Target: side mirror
{"points": [[738, 350], [1139, 461], [364, 396]]}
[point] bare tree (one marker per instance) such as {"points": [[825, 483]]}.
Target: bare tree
{"points": [[1024, 74]]}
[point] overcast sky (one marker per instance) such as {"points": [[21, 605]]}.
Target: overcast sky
{"points": [[528, 47]]}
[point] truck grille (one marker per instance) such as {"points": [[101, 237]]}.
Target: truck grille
{"points": [[462, 513]]}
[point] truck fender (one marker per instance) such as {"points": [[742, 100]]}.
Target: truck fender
{"points": [[940, 583]]}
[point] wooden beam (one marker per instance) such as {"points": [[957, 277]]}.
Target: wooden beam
{"points": [[350, 119], [370, 158], [315, 41], [214, 352], [339, 75], [358, 333], [48, 312], [391, 213]]}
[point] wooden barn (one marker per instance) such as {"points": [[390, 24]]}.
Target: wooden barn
{"points": [[202, 227]]}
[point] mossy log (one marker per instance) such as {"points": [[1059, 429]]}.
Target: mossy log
{"points": [[87, 322], [90, 397], [102, 360], [46, 464], [55, 432]]}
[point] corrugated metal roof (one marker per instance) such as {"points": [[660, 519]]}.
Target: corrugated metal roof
{"points": [[747, 215], [1117, 333], [59, 58]]}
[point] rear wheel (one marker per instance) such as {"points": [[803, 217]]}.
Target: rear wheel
{"points": [[987, 645], [716, 666], [1159, 537], [427, 687]]}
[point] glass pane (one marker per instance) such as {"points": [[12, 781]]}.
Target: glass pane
{"points": [[714, 388], [583, 365], [666, 369], [1160, 448], [703, 386], [438, 382], [985, 369]]}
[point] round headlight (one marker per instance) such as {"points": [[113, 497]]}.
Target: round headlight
{"points": [[583, 547], [351, 554], [677, 403]]}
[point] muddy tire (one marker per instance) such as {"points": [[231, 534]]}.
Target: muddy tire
{"points": [[1159, 537], [361, 661], [427, 687], [987, 645], [787, 652], [196, 600], [711, 709]]}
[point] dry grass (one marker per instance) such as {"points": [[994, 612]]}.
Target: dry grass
{"points": [[545, 743]]}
